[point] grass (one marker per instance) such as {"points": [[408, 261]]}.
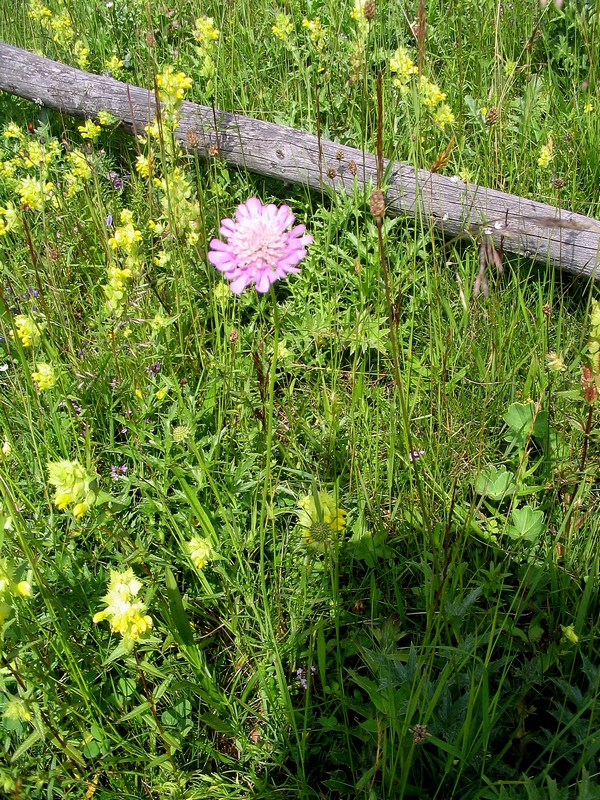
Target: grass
{"points": [[444, 642]]}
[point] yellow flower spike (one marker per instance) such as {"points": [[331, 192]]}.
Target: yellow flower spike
{"points": [[28, 330], [569, 634], [546, 154], [44, 377], [89, 130], [125, 614]]}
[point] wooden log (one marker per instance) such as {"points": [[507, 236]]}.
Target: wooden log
{"points": [[567, 240]]}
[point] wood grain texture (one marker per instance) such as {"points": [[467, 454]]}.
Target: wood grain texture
{"points": [[563, 239]]}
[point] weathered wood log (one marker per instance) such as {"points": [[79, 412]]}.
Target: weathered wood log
{"points": [[567, 240]]}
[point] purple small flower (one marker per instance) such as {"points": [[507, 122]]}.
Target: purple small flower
{"points": [[416, 454], [261, 247], [108, 220], [117, 472], [153, 369]]}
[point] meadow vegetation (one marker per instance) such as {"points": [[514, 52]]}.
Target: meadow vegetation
{"points": [[336, 538]]}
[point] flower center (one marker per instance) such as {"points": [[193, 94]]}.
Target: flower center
{"points": [[257, 244]]}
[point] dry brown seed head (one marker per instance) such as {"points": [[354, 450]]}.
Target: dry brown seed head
{"points": [[558, 183], [377, 203], [547, 309], [331, 173], [150, 40], [352, 168], [491, 118], [213, 150], [192, 137], [339, 154], [369, 10], [233, 336]]}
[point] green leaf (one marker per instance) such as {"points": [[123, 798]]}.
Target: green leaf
{"points": [[524, 422], [528, 524], [495, 483], [178, 615]]}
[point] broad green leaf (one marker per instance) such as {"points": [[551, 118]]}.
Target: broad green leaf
{"points": [[525, 422], [495, 483], [528, 524]]}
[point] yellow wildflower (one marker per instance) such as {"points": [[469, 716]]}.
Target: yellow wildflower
{"points": [[315, 30], [321, 519], [172, 85], [588, 107], [569, 633], [81, 54], [72, 485], [546, 153], [555, 362], [443, 116], [161, 393], [44, 377], [143, 164], [9, 218], [89, 130], [127, 616], [205, 32], [80, 167], [200, 551], [27, 330], [403, 67], [33, 192], [114, 65], [106, 118], [430, 92], [282, 27], [12, 131], [6, 447], [38, 11]]}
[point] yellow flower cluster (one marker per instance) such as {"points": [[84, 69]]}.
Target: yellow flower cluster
{"points": [[114, 65], [320, 518], [125, 240], [443, 116], [89, 130], [9, 218], [172, 85], [38, 11], [62, 29], [546, 154], [126, 614], [80, 172], [205, 31], [44, 377], [316, 31], [282, 27], [181, 213], [27, 329], [9, 589], [404, 69], [34, 193], [72, 486], [81, 53], [200, 551]]}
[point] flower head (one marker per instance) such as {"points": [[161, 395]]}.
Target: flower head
{"points": [[200, 551], [126, 615], [44, 377], [320, 518], [27, 330], [261, 247], [72, 485]]}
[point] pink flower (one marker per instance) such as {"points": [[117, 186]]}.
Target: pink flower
{"points": [[260, 247]]}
